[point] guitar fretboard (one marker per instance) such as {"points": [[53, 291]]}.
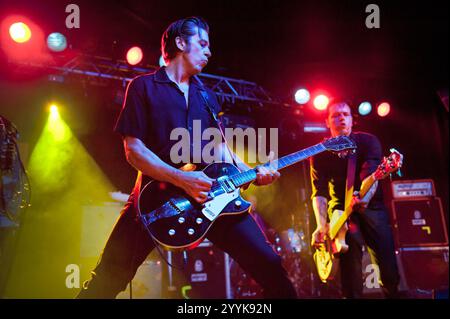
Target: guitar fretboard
{"points": [[285, 161]]}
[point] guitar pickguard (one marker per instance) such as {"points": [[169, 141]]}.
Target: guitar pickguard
{"points": [[214, 207]]}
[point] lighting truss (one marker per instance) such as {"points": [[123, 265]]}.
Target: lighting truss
{"points": [[102, 70]]}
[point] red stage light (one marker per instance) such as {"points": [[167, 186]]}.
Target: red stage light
{"points": [[20, 32], [23, 40], [383, 109], [321, 102], [134, 55]]}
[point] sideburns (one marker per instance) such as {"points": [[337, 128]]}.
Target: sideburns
{"points": [[188, 46]]}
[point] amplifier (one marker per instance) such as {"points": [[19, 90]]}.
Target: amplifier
{"points": [[413, 188], [203, 272], [419, 222]]}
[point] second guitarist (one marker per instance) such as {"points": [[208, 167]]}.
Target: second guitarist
{"points": [[370, 225]]}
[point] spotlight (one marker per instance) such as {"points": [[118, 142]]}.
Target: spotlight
{"points": [[364, 108], [134, 55], [383, 109], [23, 40], [302, 96], [20, 32], [53, 110], [56, 42], [321, 102]]}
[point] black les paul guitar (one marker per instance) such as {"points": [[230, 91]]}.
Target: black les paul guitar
{"points": [[177, 221]]}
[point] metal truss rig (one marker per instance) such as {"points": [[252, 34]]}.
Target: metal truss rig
{"points": [[228, 90]]}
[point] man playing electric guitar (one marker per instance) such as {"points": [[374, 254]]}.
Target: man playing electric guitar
{"points": [[369, 224], [155, 105]]}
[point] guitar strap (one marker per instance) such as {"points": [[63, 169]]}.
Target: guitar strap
{"points": [[204, 95], [350, 182]]}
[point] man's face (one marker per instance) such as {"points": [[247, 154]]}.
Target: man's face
{"points": [[197, 52], [340, 120]]}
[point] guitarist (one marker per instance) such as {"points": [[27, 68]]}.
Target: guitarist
{"points": [[155, 105], [370, 223]]}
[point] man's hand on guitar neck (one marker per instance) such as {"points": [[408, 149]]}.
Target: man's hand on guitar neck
{"points": [[357, 204], [264, 176]]}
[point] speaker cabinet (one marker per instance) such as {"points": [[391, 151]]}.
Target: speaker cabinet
{"points": [[200, 273], [419, 222]]}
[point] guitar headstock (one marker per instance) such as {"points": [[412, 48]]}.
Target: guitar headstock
{"points": [[389, 165], [339, 144]]}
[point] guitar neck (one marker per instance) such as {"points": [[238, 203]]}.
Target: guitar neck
{"points": [[366, 184], [285, 161]]}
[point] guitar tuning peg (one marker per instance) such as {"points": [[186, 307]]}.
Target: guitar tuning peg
{"points": [[399, 173]]}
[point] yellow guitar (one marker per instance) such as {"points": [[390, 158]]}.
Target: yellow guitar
{"points": [[326, 255]]}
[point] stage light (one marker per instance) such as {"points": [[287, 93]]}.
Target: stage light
{"points": [[56, 42], [57, 128], [134, 55], [383, 109], [365, 108], [23, 40], [302, 96], [57, 155], [20, 32], [161, 61], [53, 110], [321, 102], [63, 173]]}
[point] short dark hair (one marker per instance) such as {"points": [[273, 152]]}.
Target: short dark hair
{"points": [[184, 28], [337, 101]]}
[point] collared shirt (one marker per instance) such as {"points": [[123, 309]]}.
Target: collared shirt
{"points": [[155, 106], [329, 172]]}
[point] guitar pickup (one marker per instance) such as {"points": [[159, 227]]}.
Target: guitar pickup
{"points": [[226, 184], [229, 186]]}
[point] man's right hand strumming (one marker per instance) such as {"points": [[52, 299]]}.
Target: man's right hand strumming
{"points": [[196, 184], [319, 235]]}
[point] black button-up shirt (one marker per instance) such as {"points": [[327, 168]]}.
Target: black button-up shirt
{"points": [[154, 106], [329, 172]]}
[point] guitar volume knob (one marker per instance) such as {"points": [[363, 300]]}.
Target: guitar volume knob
{"points": [[238, 203], [181, 220], [171, 232], [199, 220], [191, 231]]}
